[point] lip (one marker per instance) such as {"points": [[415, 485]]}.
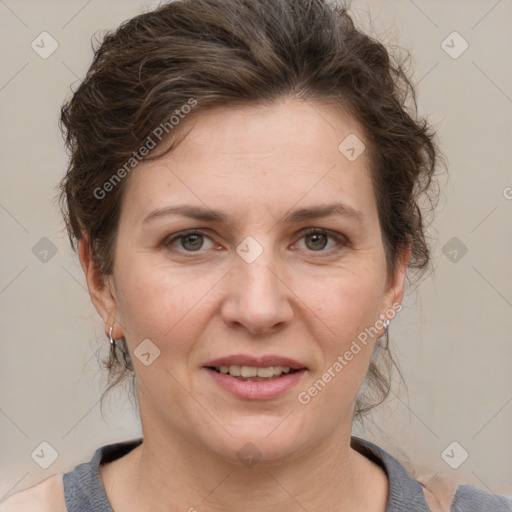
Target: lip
{"points": [[261, 361], [261, 390]]}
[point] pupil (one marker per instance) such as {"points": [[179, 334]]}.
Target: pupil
{"points": [[316, 241], [192, 242]]}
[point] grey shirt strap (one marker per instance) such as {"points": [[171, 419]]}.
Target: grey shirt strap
{"points": [[83, 487], [405, 494]]}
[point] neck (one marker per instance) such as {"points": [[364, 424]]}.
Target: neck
{"points": [[163, 474]]}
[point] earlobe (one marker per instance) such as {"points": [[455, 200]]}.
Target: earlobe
{"points": [[99, 288]]}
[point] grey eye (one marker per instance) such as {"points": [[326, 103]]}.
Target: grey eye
{"points": [[316, 241], [192, 242]]}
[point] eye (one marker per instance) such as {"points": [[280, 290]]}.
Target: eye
{"points": [[319, 240], [191, 241]]}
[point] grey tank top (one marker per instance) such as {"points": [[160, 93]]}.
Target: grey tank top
{"points": [[84, 491]]}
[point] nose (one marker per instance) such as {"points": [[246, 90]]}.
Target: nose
{"points": [[257, 298]]}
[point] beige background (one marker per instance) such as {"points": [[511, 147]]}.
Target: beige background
{"points": [[453, 339]]}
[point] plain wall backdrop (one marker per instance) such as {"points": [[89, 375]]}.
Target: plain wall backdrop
{"points": [[452, 340]]}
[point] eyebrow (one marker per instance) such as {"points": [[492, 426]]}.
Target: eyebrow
{"points": [[293, 216], [195, 212], [316, 212]]}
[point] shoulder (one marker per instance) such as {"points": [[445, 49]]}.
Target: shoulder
{"points": [[81, 489], [444, 495], [470, 499], [429, 492], [47, 496]]}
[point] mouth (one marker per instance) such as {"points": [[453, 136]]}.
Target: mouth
{"points": [[254, 373], [256, 378]]}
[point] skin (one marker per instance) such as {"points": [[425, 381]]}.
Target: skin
{"points": [[298, 299]]}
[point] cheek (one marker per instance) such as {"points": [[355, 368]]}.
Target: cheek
{"points": [[341, 312], [169, 308], [345, 304], [341, 315]]}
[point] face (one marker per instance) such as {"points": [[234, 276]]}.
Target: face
{"points": [[254, 247]]}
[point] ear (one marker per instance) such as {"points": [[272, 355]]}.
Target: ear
{"points": [[395, 286], [101, 289]]}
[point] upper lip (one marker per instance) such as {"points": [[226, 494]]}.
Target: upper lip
{"points": [[258, 362]]}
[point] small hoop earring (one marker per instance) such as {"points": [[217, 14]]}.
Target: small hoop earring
{"points": [[385, 324], [113, 354], [121, 346]]}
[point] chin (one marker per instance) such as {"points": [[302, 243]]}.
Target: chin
{"points": [[260, 442]]}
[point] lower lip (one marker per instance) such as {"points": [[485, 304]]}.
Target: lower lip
{"points": [[262, 390]]}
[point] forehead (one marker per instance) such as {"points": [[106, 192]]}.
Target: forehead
{"points": [[260, 156]]}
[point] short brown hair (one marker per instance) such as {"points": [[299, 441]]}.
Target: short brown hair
{"points": [[238, 52]]}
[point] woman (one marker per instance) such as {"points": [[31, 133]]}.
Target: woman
{"points": [[243, 192]]}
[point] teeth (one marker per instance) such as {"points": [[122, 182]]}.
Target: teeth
{"points": [[248, 372], [235, 370], [266, 372]]}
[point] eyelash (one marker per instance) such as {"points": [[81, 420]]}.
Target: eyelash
{"points": [[340, 239]]}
